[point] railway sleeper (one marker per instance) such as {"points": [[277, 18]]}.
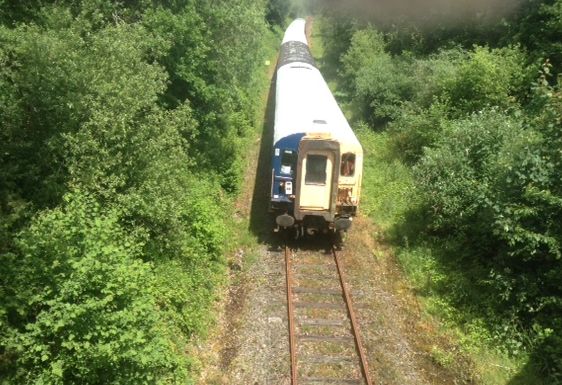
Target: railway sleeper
{"points": [[316, 290], [322, 322], [321, 267], [320, 380], [316, 276], [311, 338], [329, 331], [320, 305], [329, 359]]}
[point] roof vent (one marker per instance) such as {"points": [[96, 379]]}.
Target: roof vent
{"points": [[319, 121]]}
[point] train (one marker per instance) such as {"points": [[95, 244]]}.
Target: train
{"points": [[317, 161]]}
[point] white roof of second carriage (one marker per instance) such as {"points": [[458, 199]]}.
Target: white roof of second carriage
{"points": [[296, 32], [304, 103]]}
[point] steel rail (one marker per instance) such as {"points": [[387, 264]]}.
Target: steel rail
{"points": [[354, 323], [291, 318]]}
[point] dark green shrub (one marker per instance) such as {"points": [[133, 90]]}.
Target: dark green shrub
{"points": [[489, 77], [365, 46], [140, 109], [378, 81], [453, 175], [431, 75], [416, 129], [538, 26], [494, 183], [484, 140], [527, 221], [82, 306], [277, 12]]}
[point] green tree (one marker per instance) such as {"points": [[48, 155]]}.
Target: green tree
{"points": [[379, 81], [277, 11], [538, 27]]}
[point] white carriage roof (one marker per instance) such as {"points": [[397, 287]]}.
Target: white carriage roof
{"points": [[304, 103], [296, 32]]}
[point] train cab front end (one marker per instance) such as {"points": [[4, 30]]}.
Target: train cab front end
{"points": [[316, 182], [328, 184], [315, 188]]}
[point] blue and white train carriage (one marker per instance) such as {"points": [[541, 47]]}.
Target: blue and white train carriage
{"points": [[317, 159]]}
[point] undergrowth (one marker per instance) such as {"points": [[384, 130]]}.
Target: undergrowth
{"points": [[443, 284]]}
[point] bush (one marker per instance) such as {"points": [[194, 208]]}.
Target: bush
{"points": [[537, 27], [365, 46], [494, 183], [82, 305], [432, 74], [466, 81], [140, 109], [417, 129], [378, 81], [484, 141], [453, 175], [489, 77]]}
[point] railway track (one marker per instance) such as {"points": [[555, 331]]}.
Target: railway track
{"points": [[324, 338]]}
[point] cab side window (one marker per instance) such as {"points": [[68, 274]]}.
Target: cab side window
{"points": [[347, 167]]}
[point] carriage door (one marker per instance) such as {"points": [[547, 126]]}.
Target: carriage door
{"points": [[316, 180]]}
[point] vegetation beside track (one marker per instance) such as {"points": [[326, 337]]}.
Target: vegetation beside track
{"points": [[461, 129], [122, 142]]}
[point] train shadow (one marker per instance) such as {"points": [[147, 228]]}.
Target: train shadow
{"points": [[317, 243], [261, 220]]}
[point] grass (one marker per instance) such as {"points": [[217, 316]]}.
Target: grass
{"points": [[387, 191], [245, 241], [389, 198]]}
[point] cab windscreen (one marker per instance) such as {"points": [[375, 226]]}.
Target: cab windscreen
{"points": [[315, 169]]}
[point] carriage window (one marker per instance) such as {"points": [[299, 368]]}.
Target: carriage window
{"points": [[288, 160], [315, 169], [347, 164]]}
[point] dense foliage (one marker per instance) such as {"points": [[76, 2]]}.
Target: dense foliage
{"points": [[119, 143], [475, 111]]}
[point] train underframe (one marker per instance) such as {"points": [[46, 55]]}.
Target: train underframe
{"points": [[312, 223]]}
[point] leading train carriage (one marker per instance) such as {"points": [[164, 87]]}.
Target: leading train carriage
{"points": [[317, 159]]}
